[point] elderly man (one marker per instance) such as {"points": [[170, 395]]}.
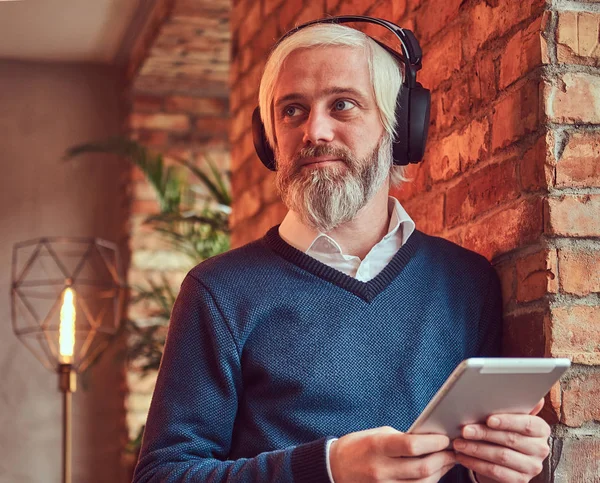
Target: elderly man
{"points": [[343, 321]]}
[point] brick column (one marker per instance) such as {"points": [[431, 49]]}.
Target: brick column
{"points": [[511, 170], [569, 169]]}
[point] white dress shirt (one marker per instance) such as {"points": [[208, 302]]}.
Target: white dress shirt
{"points": [[325, 249]]}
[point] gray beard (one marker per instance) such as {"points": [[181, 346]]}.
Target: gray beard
{"points": [[325, 198]]}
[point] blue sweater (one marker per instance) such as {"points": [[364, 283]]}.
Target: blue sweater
{"points": [[270, 353]]}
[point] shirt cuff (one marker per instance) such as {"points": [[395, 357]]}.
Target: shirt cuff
{"points": [[471, 475], [329, 443]]}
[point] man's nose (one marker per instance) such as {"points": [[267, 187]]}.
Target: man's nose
{"points": [[318, 128]]}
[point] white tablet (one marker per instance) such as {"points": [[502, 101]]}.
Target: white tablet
{"points": [[480, 387]]}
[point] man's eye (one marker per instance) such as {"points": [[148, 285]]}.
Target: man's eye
{"points": [[342, 105], [291, 111]]}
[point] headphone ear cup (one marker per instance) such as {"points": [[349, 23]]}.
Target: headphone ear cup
{"points": [[420, 106], [261, 145], [400, 141]]}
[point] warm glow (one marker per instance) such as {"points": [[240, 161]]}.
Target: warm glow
{"points": [[66, 331]]}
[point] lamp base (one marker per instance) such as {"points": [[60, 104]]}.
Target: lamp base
{"points": [[67, 378]]}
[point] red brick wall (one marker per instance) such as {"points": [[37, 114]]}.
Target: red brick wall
{"points": [[511, 169]]}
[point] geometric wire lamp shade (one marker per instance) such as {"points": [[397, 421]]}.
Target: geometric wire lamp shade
{"points": [[67, 297]]}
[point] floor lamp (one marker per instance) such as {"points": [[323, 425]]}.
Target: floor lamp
{"points": [[67, 296]]}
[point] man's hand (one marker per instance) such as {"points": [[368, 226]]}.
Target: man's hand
{"points": [[384, 454], [510, 448]]}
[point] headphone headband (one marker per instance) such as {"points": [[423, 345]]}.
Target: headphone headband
{"points": [[412, 54]]}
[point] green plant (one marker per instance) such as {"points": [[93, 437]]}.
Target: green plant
{"points": [[199, 233]]}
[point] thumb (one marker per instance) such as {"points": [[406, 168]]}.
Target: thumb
{"points": [[538, 407]]}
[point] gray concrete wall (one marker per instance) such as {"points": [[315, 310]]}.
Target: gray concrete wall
{"points": [[44, 108]]}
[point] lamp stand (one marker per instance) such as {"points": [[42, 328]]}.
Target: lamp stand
{"points": [[67, 383]]}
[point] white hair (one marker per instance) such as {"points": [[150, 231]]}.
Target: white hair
{"points": [[385, 74]]}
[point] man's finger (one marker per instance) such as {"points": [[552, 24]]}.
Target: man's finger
{"points": [[491, 470], [422, 468], [525, 424], [538, 407], [402, 444], [437, 476], [499, 455], [523, 444]]}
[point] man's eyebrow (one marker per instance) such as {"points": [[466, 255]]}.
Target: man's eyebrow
{"points": [[294, 96]]}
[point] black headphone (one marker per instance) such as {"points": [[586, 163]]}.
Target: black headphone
{"points": [[412, 106]]}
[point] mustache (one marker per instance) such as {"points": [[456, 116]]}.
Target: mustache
{"points": [[324, 150]]}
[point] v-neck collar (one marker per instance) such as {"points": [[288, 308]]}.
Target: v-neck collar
{"points": [[365, 290]]}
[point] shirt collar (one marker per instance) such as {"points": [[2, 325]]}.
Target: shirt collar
{"points": [[303, 237]]}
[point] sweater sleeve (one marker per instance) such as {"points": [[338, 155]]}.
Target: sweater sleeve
{"points": [[189, 428]]}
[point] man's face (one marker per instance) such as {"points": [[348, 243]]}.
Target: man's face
{"points": [[332, 155]]}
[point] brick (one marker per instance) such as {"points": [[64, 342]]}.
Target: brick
{"points": [[238, 14], [268, 190], [151, 138], [474, 144], [573, 98], [581, 398], [247, 175], [483, 79], [146, 103], [272, 215], [211, 127], [577, 38], [516, 226], [523, 335], [250, 25], [418, 174], [145, 207], [164, 122], [242, 151], [444, 158], [391, 11], [537, 167], [523, 53], [537, 275], [575, 333], [354, 7], [288, 14], [579, 166], [235, 99], [207, 106], [516, 115], [452, 104], [142, 190], [579, 271], [246, 204], [253, 228], [481, 191], [270, 6], [428, 25], [428, 212], [332, 6], [574, 216], [578, 460], [312, 11], [261, 47], [439, 65], [489, 20], [251, 83], [241, 122], [551, 410]]}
